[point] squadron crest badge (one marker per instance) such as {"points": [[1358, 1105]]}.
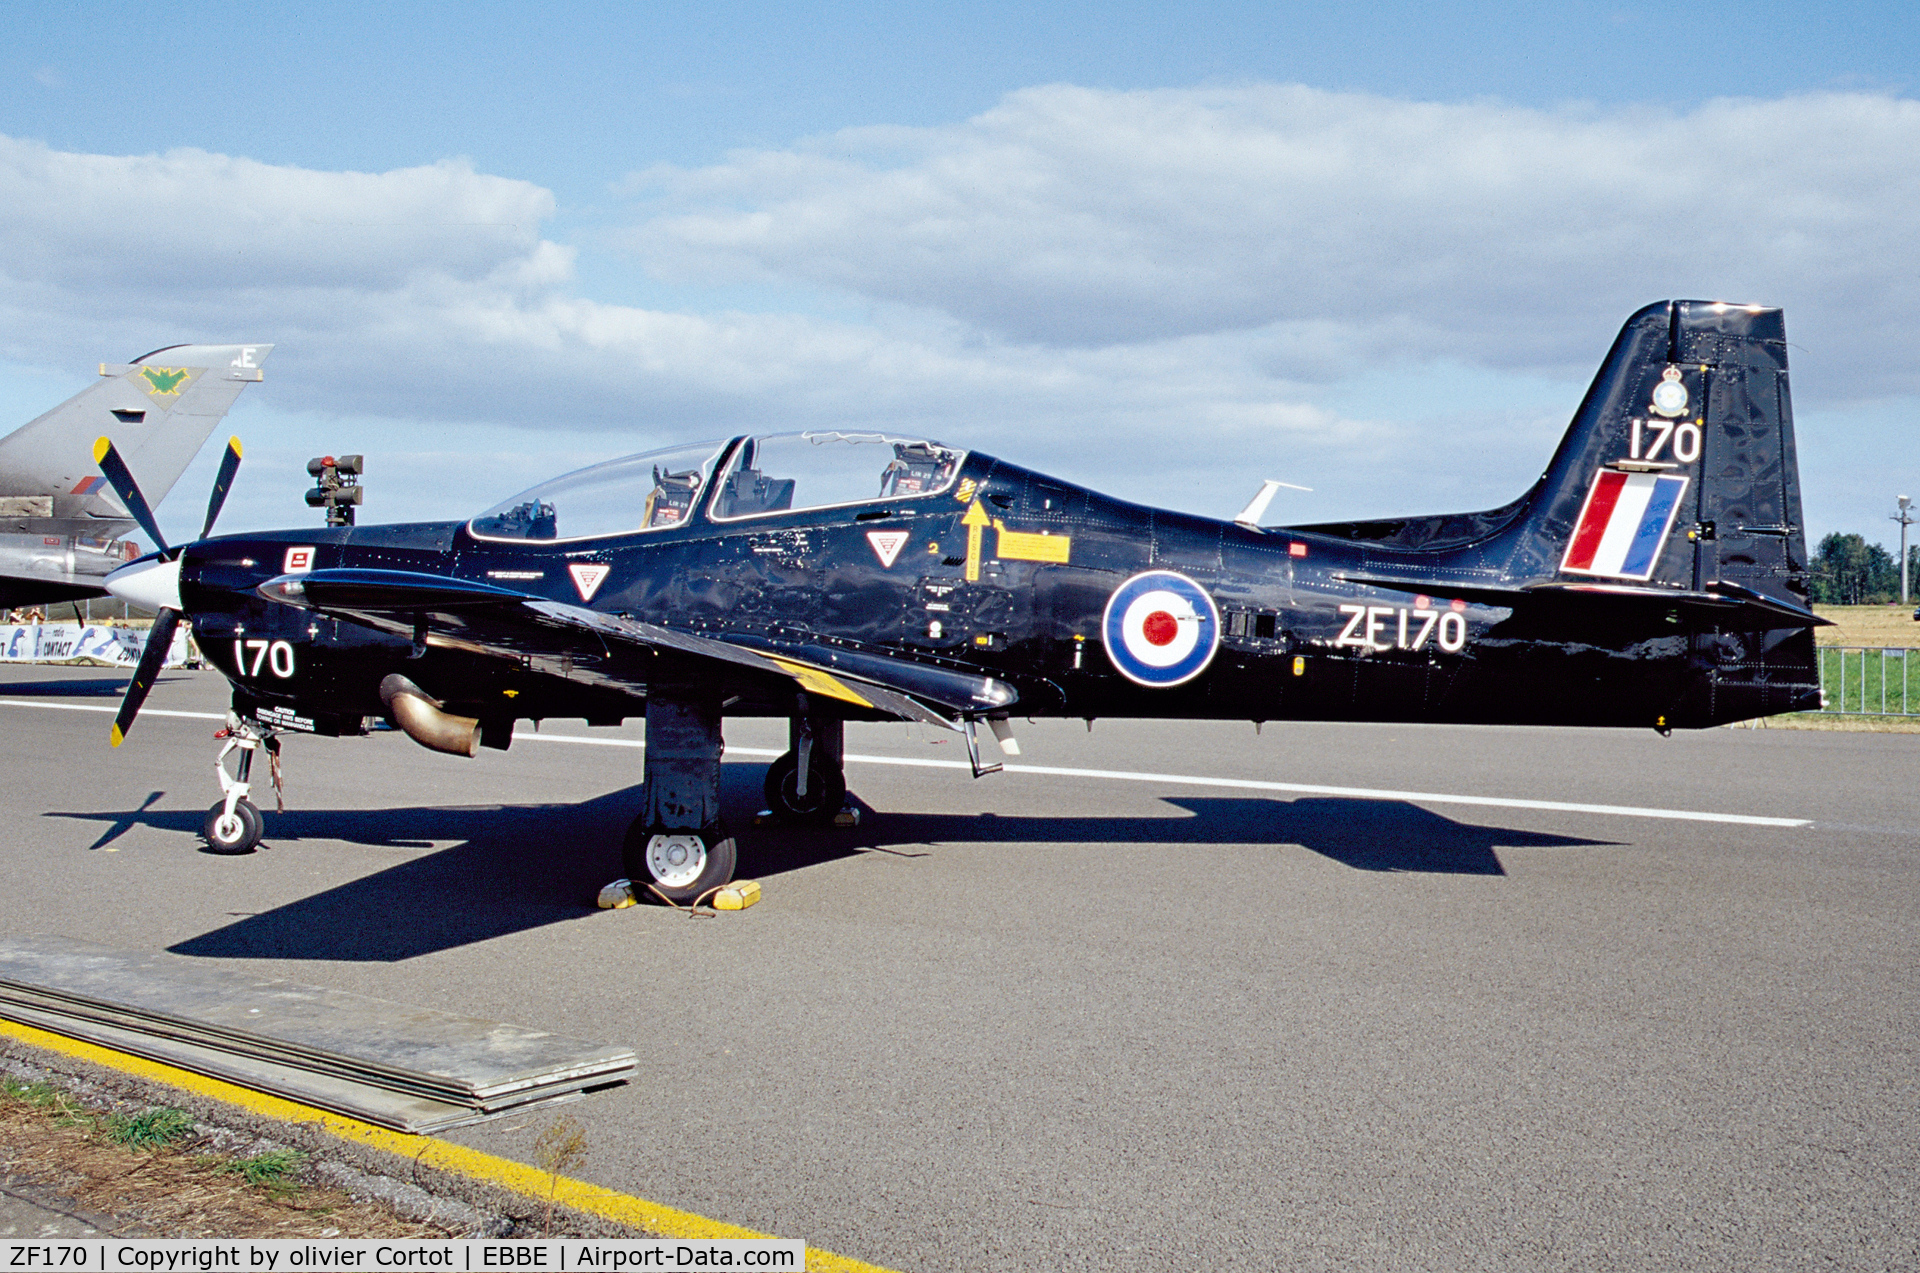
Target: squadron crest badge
{"points": [[165, 382], [1670, 395]]}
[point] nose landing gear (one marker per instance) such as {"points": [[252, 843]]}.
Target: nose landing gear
{"points": [[234, 824]]}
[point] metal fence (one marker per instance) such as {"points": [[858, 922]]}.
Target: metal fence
{"points": [[1870, 682]]}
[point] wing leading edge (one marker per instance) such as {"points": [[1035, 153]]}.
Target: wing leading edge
{"points": [[486, 619]]}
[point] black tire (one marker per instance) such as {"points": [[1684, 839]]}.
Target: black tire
{"points": [[826, 790], [708, 861], [240, 836]]}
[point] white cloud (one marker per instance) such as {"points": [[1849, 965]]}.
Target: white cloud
{"points": [[1352, 227], [428, 294], [212, 223], [1167, 294]]}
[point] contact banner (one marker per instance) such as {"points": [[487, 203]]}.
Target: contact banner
{"points": [[65, 642]]}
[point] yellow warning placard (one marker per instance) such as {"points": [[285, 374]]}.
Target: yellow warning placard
{"points": [[1020, 545]]}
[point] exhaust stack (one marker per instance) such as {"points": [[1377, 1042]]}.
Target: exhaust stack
{"points": [[420, 717]]}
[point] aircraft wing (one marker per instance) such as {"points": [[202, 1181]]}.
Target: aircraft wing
{"points": [[623, 653]]}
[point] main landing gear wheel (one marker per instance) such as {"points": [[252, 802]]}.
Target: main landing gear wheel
{"points": [[680, 864], [237, 832], [826, 790]]}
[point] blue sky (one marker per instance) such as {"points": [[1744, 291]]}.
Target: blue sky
{"points": [[1165, 250]]}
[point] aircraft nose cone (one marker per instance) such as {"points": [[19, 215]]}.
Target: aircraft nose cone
{"points": [[151, 585]]}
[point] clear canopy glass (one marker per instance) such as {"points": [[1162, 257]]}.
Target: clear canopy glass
{"points": [[788, 472], [650, 491]]}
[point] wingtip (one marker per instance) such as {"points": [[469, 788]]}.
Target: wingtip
{"points": [[100, 448]]}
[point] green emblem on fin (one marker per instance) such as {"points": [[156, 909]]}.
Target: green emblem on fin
{"points": [[164, 379]]}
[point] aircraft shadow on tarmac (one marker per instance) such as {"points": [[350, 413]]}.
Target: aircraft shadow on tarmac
{"points": [[1368, 835], [76, 687], [519, 867]]}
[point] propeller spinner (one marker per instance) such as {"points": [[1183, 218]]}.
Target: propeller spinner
{"points": [[153, 582]]}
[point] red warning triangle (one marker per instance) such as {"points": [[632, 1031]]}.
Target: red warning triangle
{"points": [[887, 544], [588, 576]]}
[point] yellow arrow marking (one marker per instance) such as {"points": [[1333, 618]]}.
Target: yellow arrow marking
{"points": [[975, 520]]}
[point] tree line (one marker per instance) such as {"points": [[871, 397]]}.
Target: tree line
{"points": [[1849, 571]]}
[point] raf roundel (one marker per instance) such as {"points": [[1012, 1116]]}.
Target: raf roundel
{"points": [[1161, 629]]}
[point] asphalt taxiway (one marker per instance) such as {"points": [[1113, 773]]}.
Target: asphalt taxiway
{"points": [[1175, 996]]}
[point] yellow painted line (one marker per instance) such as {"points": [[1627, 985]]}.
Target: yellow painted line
{"points": [[529, 1182]]}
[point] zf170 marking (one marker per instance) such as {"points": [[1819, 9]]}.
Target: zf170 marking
{"points": [[49, 1257], [1369, 627]]}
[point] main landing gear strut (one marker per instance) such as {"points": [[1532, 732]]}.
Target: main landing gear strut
{"points": [[234, 825], [678, 843], [808, 784], [678, 846]]}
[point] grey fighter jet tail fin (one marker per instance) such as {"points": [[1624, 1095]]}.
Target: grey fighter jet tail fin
{"points": [[60, 521], [158, 410]]}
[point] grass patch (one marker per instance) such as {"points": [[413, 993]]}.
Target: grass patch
{"points": [[55, 1102], [147, 1173], [149, 1129], [274, 1169]]}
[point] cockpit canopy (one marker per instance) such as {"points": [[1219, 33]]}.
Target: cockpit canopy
{"points": [[788, 472], [767, 474], [649, 491]]}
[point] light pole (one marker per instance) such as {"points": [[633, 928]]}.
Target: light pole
{"points": [[1905, 519]]}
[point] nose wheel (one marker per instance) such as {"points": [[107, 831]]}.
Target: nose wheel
{"points": [[235, 830], [234, 824]]}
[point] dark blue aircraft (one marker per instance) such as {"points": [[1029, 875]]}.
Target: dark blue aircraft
{"points": [[1655, 576]]}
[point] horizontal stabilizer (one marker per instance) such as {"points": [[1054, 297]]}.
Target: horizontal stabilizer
{"points": [[1719, 604]]}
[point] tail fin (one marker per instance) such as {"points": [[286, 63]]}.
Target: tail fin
{"points": [[1676, 482], [158, 410], [1679, 468], [1670, 510]]}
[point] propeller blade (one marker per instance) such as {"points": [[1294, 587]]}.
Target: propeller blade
{"points": [[120, 477], [229, 465], [159, 641]]}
